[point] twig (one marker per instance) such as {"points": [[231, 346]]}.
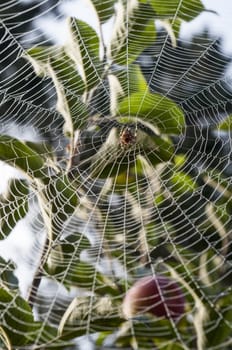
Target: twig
{"points": [[38, 275]]}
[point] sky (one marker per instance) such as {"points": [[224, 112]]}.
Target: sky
{"points": [[218, 25]]}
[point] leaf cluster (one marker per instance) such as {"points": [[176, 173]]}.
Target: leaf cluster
{"points": [[121, 179]]}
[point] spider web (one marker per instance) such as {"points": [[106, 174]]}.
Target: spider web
{"points": [[119, 208]]}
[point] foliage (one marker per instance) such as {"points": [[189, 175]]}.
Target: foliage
{"points": [[123, 146]]}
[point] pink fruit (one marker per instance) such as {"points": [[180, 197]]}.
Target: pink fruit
{"points": [[159, 295]]}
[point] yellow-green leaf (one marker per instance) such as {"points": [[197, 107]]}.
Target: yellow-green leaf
{"points": [[84, 49], [155, 108], [17, 153], [184, 9], [134, 30]]}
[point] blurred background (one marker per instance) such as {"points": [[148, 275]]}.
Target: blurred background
{"points": [[196, 73]]}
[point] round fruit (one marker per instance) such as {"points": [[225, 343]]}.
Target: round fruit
{"points": [[159, 295]]}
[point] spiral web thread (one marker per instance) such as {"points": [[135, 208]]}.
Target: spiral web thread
{"points": [[122, 229]]}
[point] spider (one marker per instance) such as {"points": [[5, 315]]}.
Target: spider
{"points": [[128, 137]]}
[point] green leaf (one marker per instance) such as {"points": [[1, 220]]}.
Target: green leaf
{"points": [[133, 32], [69, 103], [63, 194], [76, 317], [182, 183], [84, 49], [18, 328], [104, 9], [17, 153], [179, 160], [155, 108], [16, 318], [157, 149], [223, 329], [132, 79], [200, 315], [63, 197], [13, 206], [7, 276], [17, 325], [226, 124], [185, 9], [79, 274], [43, 57], [42, 148], [102, 336], [161, 329], [69, 247], [149, 333], [82, 275], [55, 63], [176, 24], [174, 346]]}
